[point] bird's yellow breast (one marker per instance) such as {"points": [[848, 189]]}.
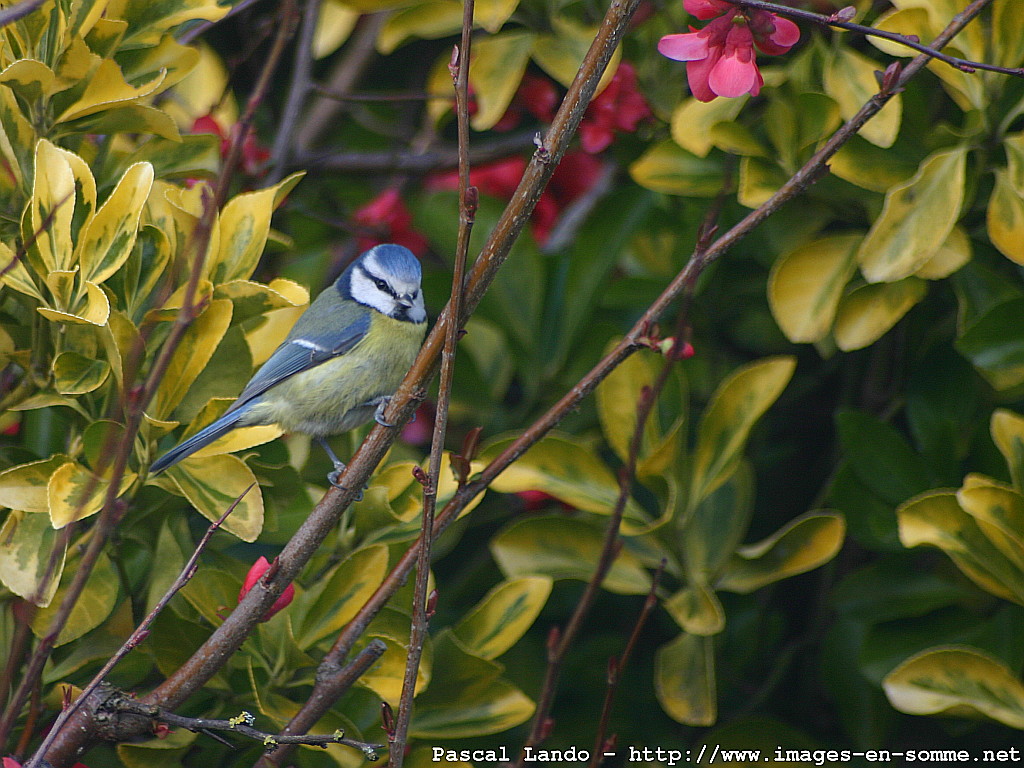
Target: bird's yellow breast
{"points": [[335, 396]]}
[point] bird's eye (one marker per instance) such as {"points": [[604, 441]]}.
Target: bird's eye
{"points": [[381, 285]]}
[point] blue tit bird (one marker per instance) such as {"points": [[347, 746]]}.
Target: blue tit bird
{"points": [[341, 362]]}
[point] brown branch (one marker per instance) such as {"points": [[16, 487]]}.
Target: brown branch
{"points": [[839, 21], [459, 68]]}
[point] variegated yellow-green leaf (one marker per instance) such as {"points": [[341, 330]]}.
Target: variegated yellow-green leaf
{"points": [[868, 312], [264, 336], [49, 400], [692, 122], [569, 470], [936, 518], [172, 306], [495, 73], [92, 308], [668, 168], [213, 593], [684, 680], [427, 21], [24, 487], [497, 622], [237, 439], [1005, 218], [952, 254], [467, 696], [385, 677], [251, 299], [715, 526], [106, 89], [61, 283], [1007, 429], [850, 80], [913, 19], [957, 680], [999, 512], [119, 337], [759, 180], [447, 487], [916, 218], [1013, 144], [738, 403], [27, 542], [561, 52], [244, 224], [168, 55], [75, 374], [563, 548], [333, 26], [870, 167], [108, 238], [53, 207], [74, 493], [807, 283], [801, 545], [190, 358], [15, 274], [1007, 33], [148, 20], [212, 484], [618, 397], [127, 118], [17, 139], [91, 609], [697, 610], [105, 37], [32, 80], [328, 606], [492, 14]]}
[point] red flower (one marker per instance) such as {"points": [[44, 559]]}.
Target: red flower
{"points": [[536, 95], [619, 107], [253, 154], [260, 567], [420, 430], [385, 219], [720, 57]]}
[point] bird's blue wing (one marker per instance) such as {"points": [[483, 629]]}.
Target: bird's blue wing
{"points": [[300, 352]]}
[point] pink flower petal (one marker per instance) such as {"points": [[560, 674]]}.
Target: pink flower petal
{"points": [[786, 32], [697, 76], [689, 47], [732, 77], [706, 9]]}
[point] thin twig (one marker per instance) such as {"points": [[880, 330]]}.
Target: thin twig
{"points": [[19, 11], [459, 68], [616, 665], [142, 631], [836, 20], [298, 90], [188, 36]]}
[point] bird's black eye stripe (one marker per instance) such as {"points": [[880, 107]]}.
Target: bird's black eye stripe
{"points": [[382, 285]]}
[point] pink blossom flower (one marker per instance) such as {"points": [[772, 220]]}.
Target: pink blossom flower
{"points": [[619, 107], [260, 567], [385, 219], [720, 58]]}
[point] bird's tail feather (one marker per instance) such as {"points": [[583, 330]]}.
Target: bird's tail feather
{"points": [[200, 439]]}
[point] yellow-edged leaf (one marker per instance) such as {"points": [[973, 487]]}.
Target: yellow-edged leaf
{"points": [[807, 283], [53, 207], [27, 542], [867, 313], [957, 680], [693, 121], [24, 487], [74, 493], [108, 88], [850, 80], [1004, 217], [697, 610], [212, 484], [92, 308], [668, 168], [427, 21], [334, 23], [497, 622], [108, 238], [916, 218], [952, 254], [495, 72], [75, 374], [94, 604], [684, 680], [1007, 429]]}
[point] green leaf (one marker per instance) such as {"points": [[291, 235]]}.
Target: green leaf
{"points": [[736, 406], [871, 167], [806, 285], [92, 608], [191, 356], [323, 610], [881, 457], [75, 374], [850, 80], [868, 312], [466, 697], [716, 525], [799, 546], [916, 218], [759, 180], [213, 483], [109, 236], [995, 346], [668, 168], [1004, 217], [24, 487], [565, 548], [27, 544], [1007, 33], [937, 519], [1007, 430], [697, 610], [495, 72], [560, 54], [957, 680], [497, 622], [999, 513], [149, 20], [427, 21], [569, 470], [684, 680], [693, 121], [75, 493]]}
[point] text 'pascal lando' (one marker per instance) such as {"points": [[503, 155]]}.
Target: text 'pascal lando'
{"points": [[500, 755]]}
